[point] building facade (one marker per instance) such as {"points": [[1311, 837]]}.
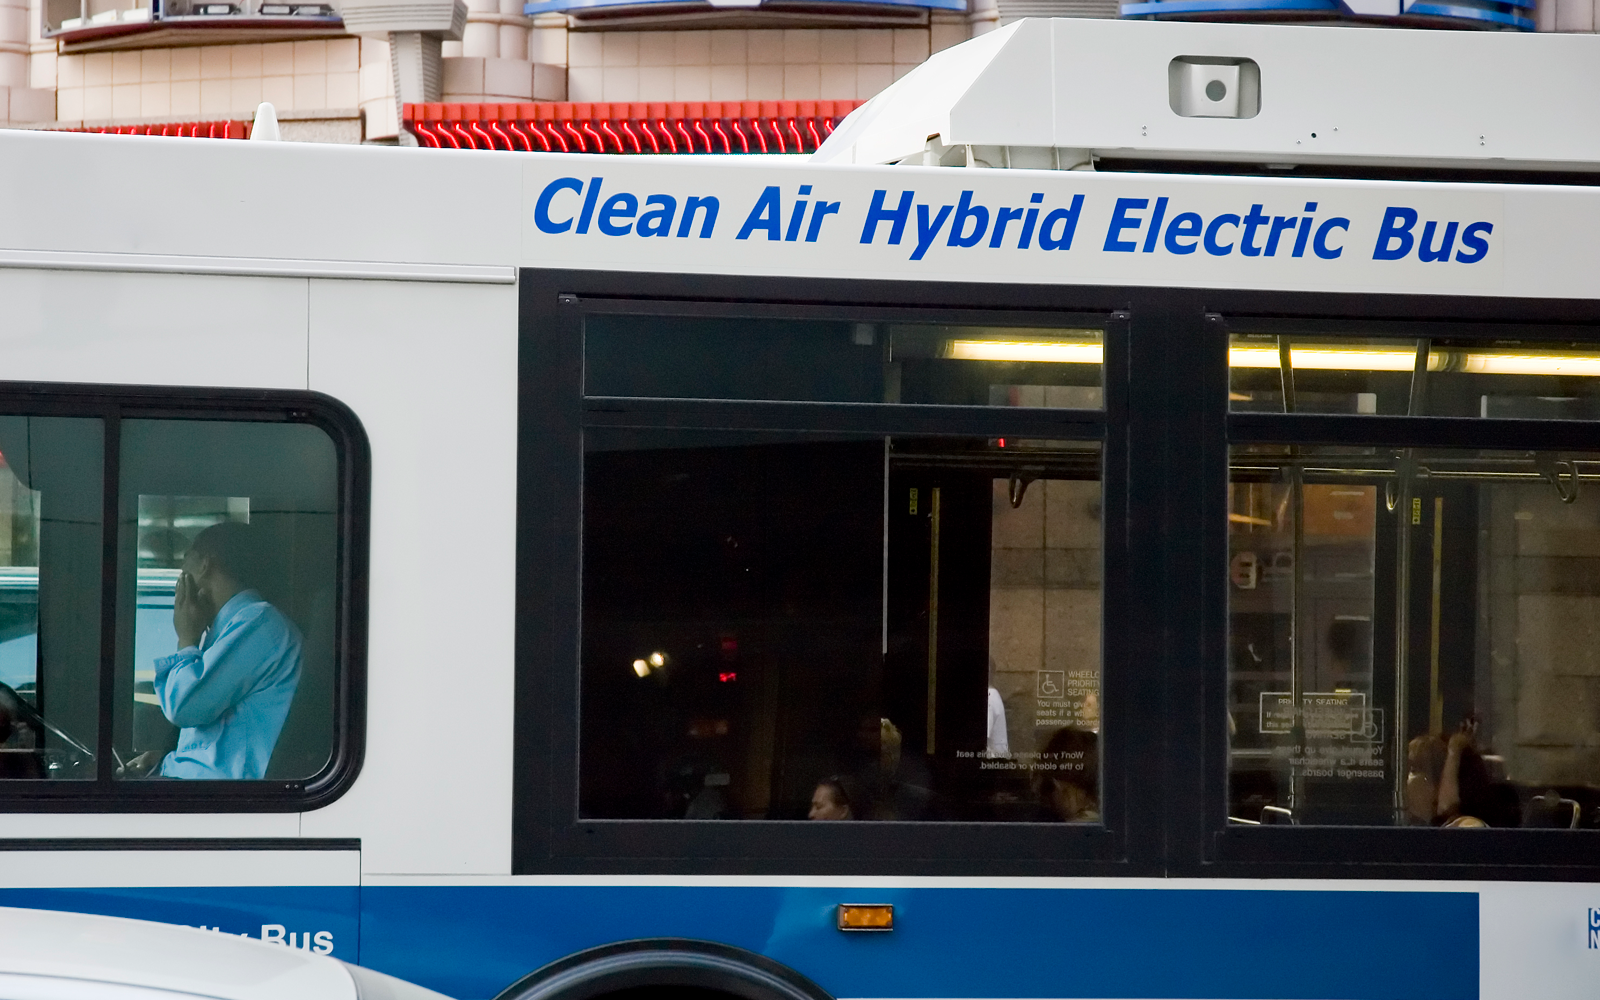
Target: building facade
{"points": [[118, 63], [117, 67]]}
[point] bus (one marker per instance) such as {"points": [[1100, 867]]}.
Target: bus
{"points": [[1120, 520]]}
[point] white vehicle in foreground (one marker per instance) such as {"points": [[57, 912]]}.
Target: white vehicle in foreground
{"points": [[48, 955]]}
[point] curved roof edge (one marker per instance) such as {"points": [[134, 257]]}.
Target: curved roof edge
{"points": [[898, 121]]}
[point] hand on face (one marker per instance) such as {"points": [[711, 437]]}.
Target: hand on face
{"points": [[191, 610], [1422, 798]]}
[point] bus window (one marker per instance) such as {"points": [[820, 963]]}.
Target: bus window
{"points": [[791, 626], [1410, 637], [50, 597], [228, 545], [1516, 378], [696, 357]]}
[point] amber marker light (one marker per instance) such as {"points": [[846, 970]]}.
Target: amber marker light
{"points": [[866, 917]]}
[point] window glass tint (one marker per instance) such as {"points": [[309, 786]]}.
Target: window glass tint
{"points": [[50, 544], [1520, 379], [865, 628], [1410, 637], [841, 361], [228, 552]]}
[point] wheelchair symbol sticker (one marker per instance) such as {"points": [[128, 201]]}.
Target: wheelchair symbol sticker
{"points": [[1052, 684]]}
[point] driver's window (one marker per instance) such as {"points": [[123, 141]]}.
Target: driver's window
{"points": [[230, 530]]}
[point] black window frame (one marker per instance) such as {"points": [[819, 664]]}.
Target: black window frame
{"points": [[1165, 612], [110, 405], [1387, 852], [548, 834]]}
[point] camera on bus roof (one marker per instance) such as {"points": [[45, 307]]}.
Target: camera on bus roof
{"points": [[1214, 87]]}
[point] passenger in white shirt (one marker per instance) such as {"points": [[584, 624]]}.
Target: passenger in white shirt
{"points": [[999, 745]]}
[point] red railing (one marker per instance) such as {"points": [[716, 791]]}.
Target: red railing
{"points": [[632, 127], [194, 130]]}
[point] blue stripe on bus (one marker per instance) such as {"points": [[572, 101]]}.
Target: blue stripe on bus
{"points": [[470, 942], [299, 910], [1185, 944]]}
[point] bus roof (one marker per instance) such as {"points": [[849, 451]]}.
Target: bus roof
{"points": [[1064, 92]]}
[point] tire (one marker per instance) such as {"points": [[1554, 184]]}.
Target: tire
{"points": [[676, 967]]}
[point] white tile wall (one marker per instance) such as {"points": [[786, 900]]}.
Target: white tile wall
{"points": [[836, 46], [729, 83], [375, 90], [690, 48], [690, 83], [735, 65], [14, 61], [583, 50], [69, 104], [624, 82], [226, 81], [942, 36], [910, 47], [1574, 15], [42, 68], [124, 67], [802, 46]]}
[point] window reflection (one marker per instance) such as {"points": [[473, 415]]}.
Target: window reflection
{"points": [[842, 361], [844, 630], [1408, 640]]}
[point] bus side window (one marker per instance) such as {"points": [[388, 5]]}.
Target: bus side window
{"points": [[1411, 639], [858, 628]]}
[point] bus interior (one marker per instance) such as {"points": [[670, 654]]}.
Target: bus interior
{"points": [[1383, 600]]}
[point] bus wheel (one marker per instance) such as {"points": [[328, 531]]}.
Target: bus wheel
{"points": [[664, 969]]}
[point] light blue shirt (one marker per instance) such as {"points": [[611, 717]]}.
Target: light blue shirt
{"points": [[229, 695]]}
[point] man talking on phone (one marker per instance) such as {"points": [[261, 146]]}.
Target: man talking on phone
{"points": [[229, 685]]}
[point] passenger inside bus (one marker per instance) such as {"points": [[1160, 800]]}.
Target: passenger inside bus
{"points": [[890, 784], [833, 799], [1070, 776], [1448, 784], [230, 683]]}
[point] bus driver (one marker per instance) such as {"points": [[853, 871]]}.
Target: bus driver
{"points": [[229, 685]]}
